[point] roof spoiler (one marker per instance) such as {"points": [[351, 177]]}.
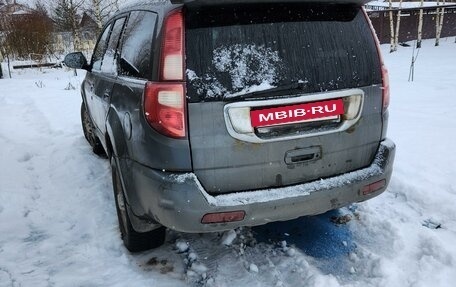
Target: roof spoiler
{"points": [[212, 2]]}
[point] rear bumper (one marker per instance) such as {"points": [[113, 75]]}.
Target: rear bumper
{"points": [[179, 202]]}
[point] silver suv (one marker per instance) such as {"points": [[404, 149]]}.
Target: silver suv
{"points": [[220, 114]]}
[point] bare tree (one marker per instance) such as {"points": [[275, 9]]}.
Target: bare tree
{"points": [[5, 28], [102, 9], [439, 24], [420, 26], [97, 13], [5, 50], [398, 24], [29, 35], [392, 47]]}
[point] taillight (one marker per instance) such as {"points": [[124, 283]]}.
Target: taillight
{"points": [[385, 79], [172, 55], [164, 101], [385, 88], [164, 108]]}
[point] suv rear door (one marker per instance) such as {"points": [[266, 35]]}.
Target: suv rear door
{"points": [[308, 53], [108, 74], [91, 82]]}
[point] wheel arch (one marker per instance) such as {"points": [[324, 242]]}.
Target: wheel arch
{"points": [[115, 139], [116, 147]]}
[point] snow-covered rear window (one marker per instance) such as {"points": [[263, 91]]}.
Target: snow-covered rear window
{"points": [[236, 49]]}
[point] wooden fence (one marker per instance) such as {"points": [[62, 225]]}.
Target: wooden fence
{"points": [[409, 23]]}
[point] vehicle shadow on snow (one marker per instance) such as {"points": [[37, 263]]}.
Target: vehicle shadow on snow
{"points": [[319, 237]]}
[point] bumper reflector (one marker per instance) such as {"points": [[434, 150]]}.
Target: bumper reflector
{"points": [[373, 187], [220, 217]]}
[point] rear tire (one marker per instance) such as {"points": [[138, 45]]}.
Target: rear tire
{"points": [[134, 241], [89, 132]]}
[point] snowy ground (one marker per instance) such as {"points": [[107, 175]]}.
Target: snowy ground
{"points": [[58, 225]]}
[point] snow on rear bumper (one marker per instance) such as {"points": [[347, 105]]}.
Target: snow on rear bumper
{"points": [[179, 202]]}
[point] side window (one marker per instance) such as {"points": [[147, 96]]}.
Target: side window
{"points": [[110, 56], [136, 55], [100, 49]]}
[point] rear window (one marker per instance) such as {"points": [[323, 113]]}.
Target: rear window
{"points": [[233, 50]]}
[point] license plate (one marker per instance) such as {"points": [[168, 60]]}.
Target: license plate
{"points": [[297, 113]]}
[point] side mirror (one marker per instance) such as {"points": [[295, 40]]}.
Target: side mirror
{"points": [[76, 60]]}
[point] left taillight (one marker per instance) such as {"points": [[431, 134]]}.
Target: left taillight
{"points": [[164, 101], [164, 108]]}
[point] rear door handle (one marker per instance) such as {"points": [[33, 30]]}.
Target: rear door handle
{"points": [[303, 155]]}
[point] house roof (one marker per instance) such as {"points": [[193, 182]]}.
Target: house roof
{"points": [[87, 21], [11, 9]]}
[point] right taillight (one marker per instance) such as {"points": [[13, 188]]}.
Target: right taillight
{"points": [[385, 88], [385, 79], [164, 108]]}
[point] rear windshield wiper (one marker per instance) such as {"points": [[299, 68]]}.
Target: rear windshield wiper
{"points": [[272, 92]]}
